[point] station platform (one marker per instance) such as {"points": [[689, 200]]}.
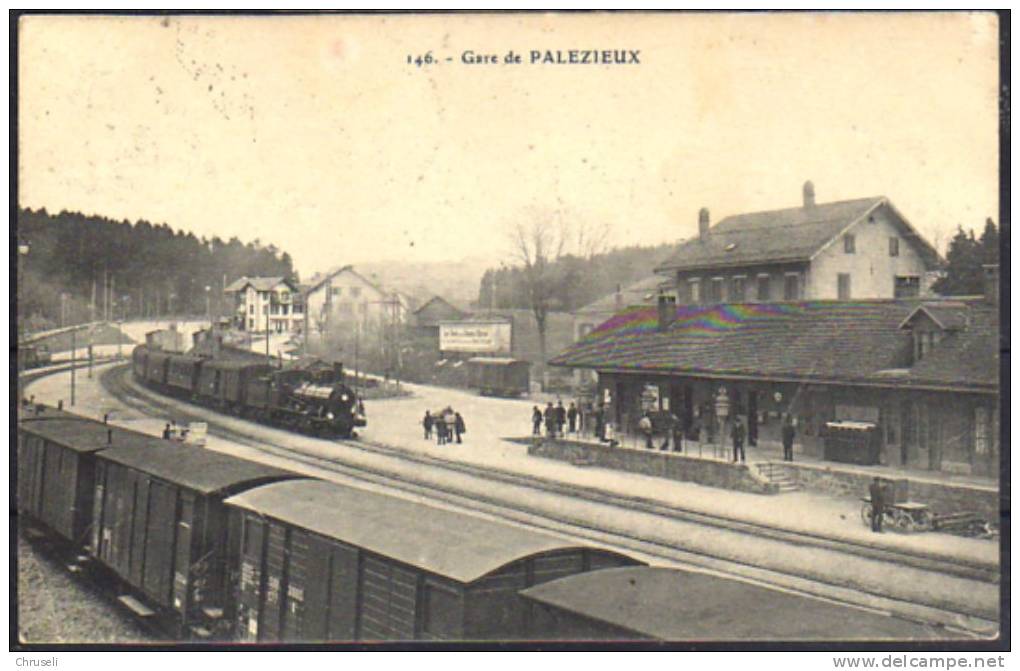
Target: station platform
{"points": [[712, 465]]}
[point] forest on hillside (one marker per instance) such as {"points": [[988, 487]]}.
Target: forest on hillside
{"points": [[575, 280], [73, 267]]}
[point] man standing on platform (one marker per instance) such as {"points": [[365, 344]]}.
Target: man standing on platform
{"points": [[737, 433], [877, 491], [789, 431]]}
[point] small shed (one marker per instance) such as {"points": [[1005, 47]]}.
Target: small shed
{"points": [[56, 468], [325, 562], [160, 524], [646, 603]]}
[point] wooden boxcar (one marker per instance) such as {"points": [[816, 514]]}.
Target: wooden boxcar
{"points": [[160, 525], [499, 376], [645, 603], [155, 367], [56, 469], [224, 381], [325, 562], [139, 356], [182, 373]]}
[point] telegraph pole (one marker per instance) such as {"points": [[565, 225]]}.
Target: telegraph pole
{"points": [[74, 347]]}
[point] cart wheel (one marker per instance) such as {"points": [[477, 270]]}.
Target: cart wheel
{"points": [[866, 514], [903, 520], [925, 521]]}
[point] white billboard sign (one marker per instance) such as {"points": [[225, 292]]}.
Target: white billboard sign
{"points": [[487, 337]]}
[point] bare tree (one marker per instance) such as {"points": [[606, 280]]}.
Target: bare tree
{"points": [[539, 240]]}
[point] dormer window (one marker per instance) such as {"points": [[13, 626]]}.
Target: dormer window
{"points": [[924, 342], [929, 324]]}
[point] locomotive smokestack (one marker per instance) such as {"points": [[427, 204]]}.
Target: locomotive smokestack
{"points": [[809, 194]]}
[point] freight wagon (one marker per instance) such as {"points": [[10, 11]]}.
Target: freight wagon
{"points": [[325, 562], [56, 469], [160, 527], [499, 376], [663, 604]]}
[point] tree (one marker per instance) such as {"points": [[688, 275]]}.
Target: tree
{"points": [[965, 258], [540, 242]]}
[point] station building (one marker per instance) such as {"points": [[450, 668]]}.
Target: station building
{"points": [[823, 311]]}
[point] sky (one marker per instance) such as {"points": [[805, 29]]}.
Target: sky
{"points": [[317, 135]]}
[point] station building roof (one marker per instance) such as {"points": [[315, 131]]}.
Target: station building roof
{"points": [[675, 605], [443, 542], [824, 341]]}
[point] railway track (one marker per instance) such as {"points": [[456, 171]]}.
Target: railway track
{"points": [[966, 621]]}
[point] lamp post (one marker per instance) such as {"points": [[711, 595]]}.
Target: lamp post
{"points": [[208, 312], [23, 249]]}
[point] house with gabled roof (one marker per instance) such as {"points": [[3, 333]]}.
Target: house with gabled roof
{"points": [[342, 301], [262, 303], [846, 250]]}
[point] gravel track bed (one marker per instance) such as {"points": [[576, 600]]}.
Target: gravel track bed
{"points": [[53, 607]]}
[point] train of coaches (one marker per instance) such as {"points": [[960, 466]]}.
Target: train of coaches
{"points": [[314, 401], [212, 547]]}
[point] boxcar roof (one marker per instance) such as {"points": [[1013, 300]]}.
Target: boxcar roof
{"points": [[676, 605], [234, 364], [77, 433], [196, 468], [455, 545]]}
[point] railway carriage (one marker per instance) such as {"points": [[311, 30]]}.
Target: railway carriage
{"points": [[139, 357], [160, 527], [182, 374], [499, 376], [156, 364], [664, 604], [325, 562], [224, 381], [56, 469]]}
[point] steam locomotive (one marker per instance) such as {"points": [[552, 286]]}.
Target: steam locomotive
{"points": [[301, 398]]}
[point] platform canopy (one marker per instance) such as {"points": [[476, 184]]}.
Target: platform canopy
{"points": [[440, 541]]}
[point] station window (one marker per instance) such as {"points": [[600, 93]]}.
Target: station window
{"points": [[335, 291], [695, 292], [763, 286], [843, 281], [894, 246], [791, 287], [738, 291], [715, 289], [355, 292], [849, 244]]}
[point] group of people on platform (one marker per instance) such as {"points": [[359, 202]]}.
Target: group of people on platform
{"points": [[559, 421], [448, 424]]}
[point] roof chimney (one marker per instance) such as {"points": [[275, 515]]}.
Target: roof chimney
{"points": [[809, 194], [667, 310], [618, 299], [703, 224], [991, 283]]}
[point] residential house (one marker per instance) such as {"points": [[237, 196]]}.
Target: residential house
{"points": [[267, 303], [343, 301], [847, 250]]}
